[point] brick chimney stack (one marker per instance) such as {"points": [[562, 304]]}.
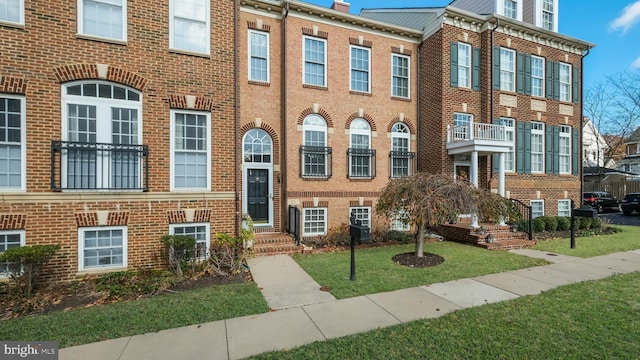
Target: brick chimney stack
{"points": [[340, 5]]}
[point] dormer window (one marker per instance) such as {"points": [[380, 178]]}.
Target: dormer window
{"points": [[511, 9], [546, 14]]}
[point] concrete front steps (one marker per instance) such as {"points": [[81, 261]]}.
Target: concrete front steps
{"points": [[494, 237], [265, 244]]}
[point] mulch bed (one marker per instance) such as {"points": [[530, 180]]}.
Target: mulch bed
{"points": [[411, 260]]}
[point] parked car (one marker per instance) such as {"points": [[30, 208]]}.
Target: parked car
{"points": [[630, 203], [601, 201]]}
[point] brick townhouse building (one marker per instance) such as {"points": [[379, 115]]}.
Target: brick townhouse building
{"points": [[328, 112], [118, 123], [500, 98]]}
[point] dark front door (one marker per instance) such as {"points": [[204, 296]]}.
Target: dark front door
{"points": [[258, 195]]}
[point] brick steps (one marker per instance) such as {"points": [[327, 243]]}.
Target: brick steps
{"points": [[495, 237], [266, 244]]}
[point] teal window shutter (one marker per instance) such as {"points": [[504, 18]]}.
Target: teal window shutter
{"points": [[527, 148], [556, 80], [549, 79], [575, 158], [496, 157], [527, 74], [476, 69], [576, 85], [556, 150], [496, 68], [549, 149], [520, 73], [520, 148], [454, 64]]}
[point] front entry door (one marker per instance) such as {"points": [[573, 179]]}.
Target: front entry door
{"points": [[258, 195]]}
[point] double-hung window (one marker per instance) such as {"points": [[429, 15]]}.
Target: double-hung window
{"points": [[564, 154], [548, 15], [314, 152], [537, 76], [565, 82], [315, 61], [464, 65], [190, 150], [509, 158], [258, 56], [362, 213], [360, 69], [401, 156], [12, 11], [400, 75], [314, 221], [510, 8], [12, 143], [102, 247], [507, 69], [564, 207], [537, 208], [537, 147], [360, 153], [103, 18], [189, 25], [200, 232], [10, 239]]}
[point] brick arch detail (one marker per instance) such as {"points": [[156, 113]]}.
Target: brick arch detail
{"points": [[405, 121], [180, 102], [74, 72], [321, 112], [364, 116], [271, 131], [13, 85]]}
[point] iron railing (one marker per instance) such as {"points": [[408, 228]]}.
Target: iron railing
{"points": [[293, 223], [526, 224], [361, 163], [401, 163], [315, 162], [99, 166]]}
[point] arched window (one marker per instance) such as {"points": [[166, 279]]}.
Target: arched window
{"points": [[315, 161], [400, 150], [361, 157], [257, 147]]}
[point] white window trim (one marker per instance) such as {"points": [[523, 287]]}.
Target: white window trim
{"points": [[354, 131], [512, 71], [465, 67], [538, 14], [566, 135], [304, 60], [304, 216], [125, 246], [397, 219], [542, 79], [351, 69], [512, 130], [408, 76], [173, 46], [20, 20], [568, 85], [207, 226], [81, 22], [568, 202], [541, 133], [401, 135], [501, 10], [173, 149], [250, 32], [23, 143], [368, 208], [22, 234], [531, 202]]}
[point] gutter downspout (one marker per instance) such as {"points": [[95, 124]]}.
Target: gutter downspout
{"points": [[491, 85], [283, 104], [236, 130], [581, 142]]}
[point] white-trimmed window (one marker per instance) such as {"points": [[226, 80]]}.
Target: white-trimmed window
{"points": [[362, 213], [564, 207], [10, 239], [97, 117], [510, 157], [257, 147], [537, 147], [314, 221], [400, 222], [12, 11], [258, 56], [461, 126], [102, 247], [565, 82], [190, 150], [360, 69], [360, 145], [199, 231], [400, 150], [400, 70], [464, 65], [314, 138], [564, 154], [507, 70], [537, 76], [189, 25], [537, 208], [12, 143], [547, 14], [103, 18], [315, 61], [510, 8]]}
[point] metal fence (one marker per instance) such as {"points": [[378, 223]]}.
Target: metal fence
{"points": [[293, 223]]}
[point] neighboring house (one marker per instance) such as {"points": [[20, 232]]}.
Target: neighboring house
{"points": [[500, 98], [594, 147], [631, 161], [328, 113], [118, 123]]}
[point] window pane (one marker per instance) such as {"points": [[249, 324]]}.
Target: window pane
{"points": [[103, 18]]}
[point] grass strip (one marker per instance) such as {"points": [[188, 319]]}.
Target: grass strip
{"points": [[627, 239]]}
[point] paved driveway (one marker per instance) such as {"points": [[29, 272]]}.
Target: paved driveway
{"points": [[619, 219]]}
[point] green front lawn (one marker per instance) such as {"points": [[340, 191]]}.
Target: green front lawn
{"points": [[376, 272], [589, 320], [627, 239]]}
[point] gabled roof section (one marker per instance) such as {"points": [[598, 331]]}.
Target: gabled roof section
{"points": [[634, 137]]}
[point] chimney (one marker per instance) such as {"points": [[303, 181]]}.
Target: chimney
{"points": [[340, 5]]}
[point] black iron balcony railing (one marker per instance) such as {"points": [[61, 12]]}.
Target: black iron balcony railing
{"points": [[99, 166], [362, 163], [315, 162], [401, 163]]}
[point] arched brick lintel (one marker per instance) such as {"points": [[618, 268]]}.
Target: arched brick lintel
{"points": [[364, 116], [321, 112], [271, 131], [73, 72], [405, 121]]}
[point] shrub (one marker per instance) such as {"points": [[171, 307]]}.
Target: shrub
{"points": [[26, 264], [551, 223], [585, 222], [596, 223], [179, 252], [133, 284], [539, 224], [393, 235], [336, 236], [564, 223], [227, 254]]}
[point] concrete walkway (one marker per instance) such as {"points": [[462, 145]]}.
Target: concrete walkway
{"points": [[315, 317]]}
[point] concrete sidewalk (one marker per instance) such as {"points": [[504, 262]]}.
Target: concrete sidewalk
{"points": [[321, 318]]}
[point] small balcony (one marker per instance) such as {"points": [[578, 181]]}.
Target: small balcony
{"points": [[480, 137], [78, 166], [361, 163], [401, 163], [315, 162]]}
